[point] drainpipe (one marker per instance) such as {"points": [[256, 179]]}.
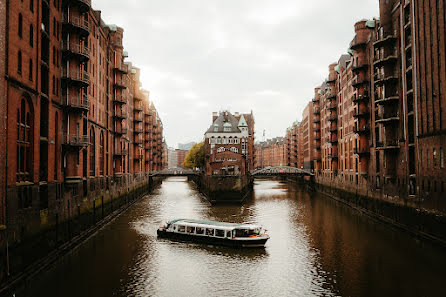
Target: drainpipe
{"points": [[7, 129], [403, 76], [414, 75]]}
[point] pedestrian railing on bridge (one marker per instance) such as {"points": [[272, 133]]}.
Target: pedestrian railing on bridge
{"points": [[281, 171], [175, 172]]}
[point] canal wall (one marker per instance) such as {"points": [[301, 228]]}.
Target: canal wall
{"points": [[25, 255], [402, 212], [224, 188]]}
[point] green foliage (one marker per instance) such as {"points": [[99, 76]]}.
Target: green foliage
{"points": [[195, 157]]}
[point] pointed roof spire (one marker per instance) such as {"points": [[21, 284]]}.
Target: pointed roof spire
{"points": [[242, 122]]}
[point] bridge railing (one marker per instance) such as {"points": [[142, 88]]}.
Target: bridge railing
{"points": [[281, 170]]}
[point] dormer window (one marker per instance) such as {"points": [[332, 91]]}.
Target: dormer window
{"points": [[227, 127]]}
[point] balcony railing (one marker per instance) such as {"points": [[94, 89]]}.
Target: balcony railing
{"points": [[362, 130], [120, 83], [384, 39], [333, 118], [119, 114], [76, 75], [137, 118], [76, 102], [332, 105], [75, 140], [84, 4], [389, 58], [138, 130], [387, 145], [76, 49], [391, 99], [358, 66], [358, 42], [381, 79], [330, 95], [360, 113], [121, 68], [76, 22], [359, 81], [387, 117], [120, 99], [361, 97]]}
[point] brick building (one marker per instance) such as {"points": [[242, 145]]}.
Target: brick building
{"points": [[229, 144], [272, 152], [80, 128], [180, 156], [378, 119], [292, 145], [3, 119], [307, 138]]}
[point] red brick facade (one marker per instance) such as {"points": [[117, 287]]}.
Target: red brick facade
{"points": [[379, 117], [271, 153], [79, 126]]}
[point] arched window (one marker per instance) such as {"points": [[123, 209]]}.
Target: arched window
{"points": [[25, 127], [234, 149], [220, 149], [101, 153], [92, 152], [219, 140]]}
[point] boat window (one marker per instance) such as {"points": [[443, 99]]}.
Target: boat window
{"points": [[190, 229], [246, 232], [209, 232], [219, 233], [229, 233], [200, 230], [181, 228]]}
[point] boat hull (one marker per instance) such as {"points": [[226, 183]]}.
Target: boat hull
{"points": [[250, 242]]}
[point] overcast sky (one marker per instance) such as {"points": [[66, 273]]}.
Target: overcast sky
{"points": [[200, 56]]}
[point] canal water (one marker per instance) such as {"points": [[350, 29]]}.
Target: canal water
{"points": [[318, 247]]}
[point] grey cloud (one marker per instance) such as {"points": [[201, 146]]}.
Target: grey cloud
{"points": [[200, 56]]}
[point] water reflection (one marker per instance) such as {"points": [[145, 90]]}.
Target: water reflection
{"points": [[317, 248]]}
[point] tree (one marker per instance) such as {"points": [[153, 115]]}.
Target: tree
{"points": [[195, 157]]}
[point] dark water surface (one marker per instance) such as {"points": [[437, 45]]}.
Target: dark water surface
{"points": [[318, 247]]}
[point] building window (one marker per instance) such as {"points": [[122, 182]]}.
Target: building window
{"points": [[101, 154], [441, 158], [31, 69], [31, 35], [54, 55], [24, 142], [427, 158], [31, 5], [434, 157], [92, 153], [20, 26], [19, 62], [421, 158]]}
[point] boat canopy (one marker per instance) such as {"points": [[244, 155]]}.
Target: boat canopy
{"points": [[213, 224]]}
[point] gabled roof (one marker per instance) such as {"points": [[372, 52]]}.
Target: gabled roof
{"points": [[225, 119], [242, 122]]}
